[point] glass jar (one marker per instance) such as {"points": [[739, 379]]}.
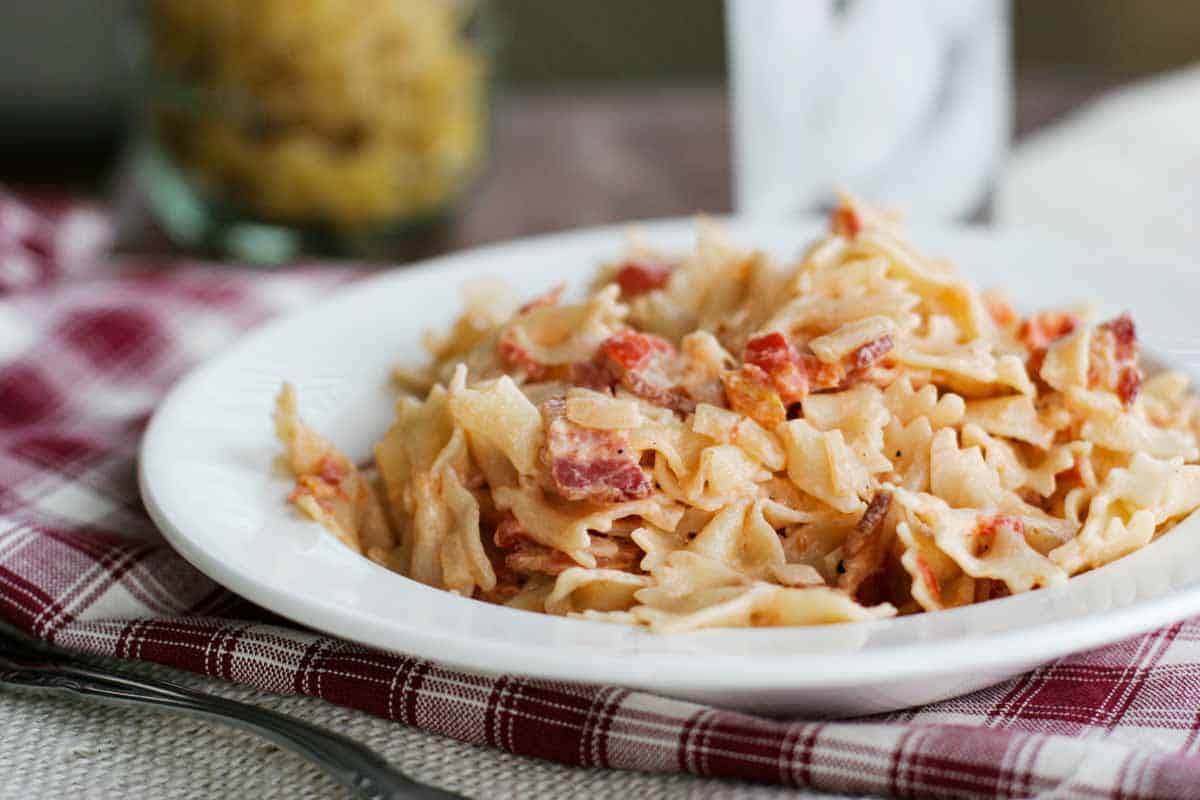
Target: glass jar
{"points": [[279, 127]]}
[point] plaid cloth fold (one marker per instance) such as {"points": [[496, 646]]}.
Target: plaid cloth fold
{"points": [[88, 346]]}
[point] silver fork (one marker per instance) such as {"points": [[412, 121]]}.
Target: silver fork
{"points": [[32, 667]]}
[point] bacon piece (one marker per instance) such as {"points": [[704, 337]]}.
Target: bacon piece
{"points": [[1042, 329], [644, 364], [639, 277], [545, 300], [1124, 336], [870, 353], [1129, 385], [1112, 358], [509, 532], [877, 509], [616, 552], [589, 464], [793, 375], [774, 355], [603, 480], [864, 553], [750, 391]]}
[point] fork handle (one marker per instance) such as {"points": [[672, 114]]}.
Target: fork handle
{"points": [[343, 759]]}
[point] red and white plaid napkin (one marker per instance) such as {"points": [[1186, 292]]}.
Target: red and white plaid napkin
{"points": [[86, 349]]}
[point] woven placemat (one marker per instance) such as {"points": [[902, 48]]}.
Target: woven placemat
{"points": [[56, 747]]}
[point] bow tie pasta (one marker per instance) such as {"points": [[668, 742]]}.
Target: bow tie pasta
{"points": [[715, 440]]}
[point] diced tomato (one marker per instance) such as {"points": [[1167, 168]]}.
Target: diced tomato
{"points": [[630, 349], [639, 277], [774, 355], [845, 221], [769, 351], [1044, 328]]}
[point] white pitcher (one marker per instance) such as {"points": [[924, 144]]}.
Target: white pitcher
{"points": [[907, 104]]}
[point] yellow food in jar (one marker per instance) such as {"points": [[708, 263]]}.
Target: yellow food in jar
{"points": [[349, 112]]}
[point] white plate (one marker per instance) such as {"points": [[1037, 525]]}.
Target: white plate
{"points": [[208, 481]]}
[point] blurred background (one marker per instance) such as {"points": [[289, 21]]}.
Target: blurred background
{"points": [[61, 77], [590, 92]]}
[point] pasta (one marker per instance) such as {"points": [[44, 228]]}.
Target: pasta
{"points": [[714, 440]]}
